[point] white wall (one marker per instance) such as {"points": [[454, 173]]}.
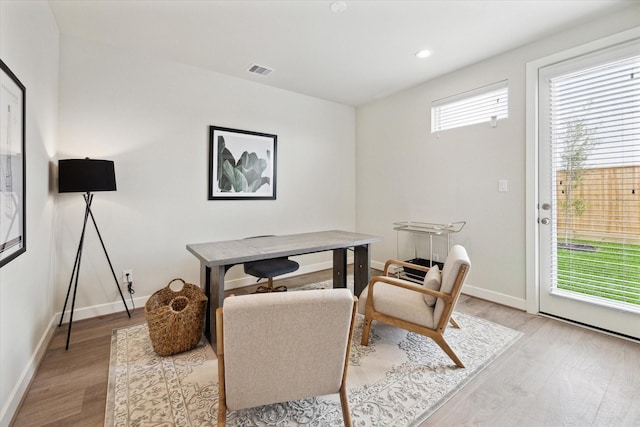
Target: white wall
{"points": [[29, 46], [151, 117], [406, 173]]}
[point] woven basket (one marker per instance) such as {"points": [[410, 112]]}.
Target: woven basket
{"points": [[175, 318]]}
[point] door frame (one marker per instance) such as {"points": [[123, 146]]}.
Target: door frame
{"points": [[532, 241]]}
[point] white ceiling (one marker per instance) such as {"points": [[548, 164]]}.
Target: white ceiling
{"points": [[351, 57]]}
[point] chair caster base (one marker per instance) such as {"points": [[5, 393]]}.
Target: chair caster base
{"points": [[267, 289]]}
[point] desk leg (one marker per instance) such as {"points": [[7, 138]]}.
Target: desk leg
{"points": [[361, 268], [340, 268], [205, 278], [213, 278]]}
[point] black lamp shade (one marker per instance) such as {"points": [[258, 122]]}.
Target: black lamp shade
{"points": [[86, 175]]}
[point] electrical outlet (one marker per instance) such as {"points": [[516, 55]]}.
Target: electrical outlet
{"points": [[436, 257], [126, 279]]}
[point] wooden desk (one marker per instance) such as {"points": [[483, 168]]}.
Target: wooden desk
{"points": [[217, 257]]}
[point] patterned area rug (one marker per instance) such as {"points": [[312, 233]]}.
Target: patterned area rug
{"points": [[400, 379]]}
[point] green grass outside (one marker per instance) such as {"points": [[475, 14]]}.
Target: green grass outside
{"points": [[612, 271]]}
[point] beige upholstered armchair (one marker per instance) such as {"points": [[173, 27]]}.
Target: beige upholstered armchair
{"points": [[278, 347], [424, 309]]}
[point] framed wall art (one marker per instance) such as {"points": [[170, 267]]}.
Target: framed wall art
{"points": [[242, 164], [12, 166]]}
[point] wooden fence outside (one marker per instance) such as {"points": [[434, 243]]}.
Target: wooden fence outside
{"points": [[612, 205]]}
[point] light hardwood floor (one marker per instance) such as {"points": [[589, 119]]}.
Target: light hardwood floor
{"points": [[556, 375]]}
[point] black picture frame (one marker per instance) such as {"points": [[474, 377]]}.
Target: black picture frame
{"points": [[242, 164], [12, 166]]}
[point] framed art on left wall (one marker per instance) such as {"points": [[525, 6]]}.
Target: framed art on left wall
{"points": [[12, 166]]}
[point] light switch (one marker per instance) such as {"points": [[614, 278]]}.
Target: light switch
{"points": [[503, 185]]}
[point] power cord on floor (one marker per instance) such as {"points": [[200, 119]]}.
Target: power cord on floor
{"points": [[131, 290]]}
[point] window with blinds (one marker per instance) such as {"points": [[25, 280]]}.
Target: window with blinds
{"points": [[482, 105], [594, 117]]}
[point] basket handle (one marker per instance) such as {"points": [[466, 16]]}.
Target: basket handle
{"points": [[181, 287]]}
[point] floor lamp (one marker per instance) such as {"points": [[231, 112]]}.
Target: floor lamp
{"points": [[85, 176]]}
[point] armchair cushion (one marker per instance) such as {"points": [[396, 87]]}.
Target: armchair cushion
{"points": [[432, 280], [398, 302], [456, 259]]}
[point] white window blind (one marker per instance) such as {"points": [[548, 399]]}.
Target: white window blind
{"points": [[476, 106], [594, 117]]}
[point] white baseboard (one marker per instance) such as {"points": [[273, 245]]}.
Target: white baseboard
{"points": [[499, 298], [377, 265], [496, 297], [116, 306], [8, 411], [101, 309]]}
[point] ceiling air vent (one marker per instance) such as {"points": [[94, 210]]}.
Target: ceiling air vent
{"points": [[259, 69]]}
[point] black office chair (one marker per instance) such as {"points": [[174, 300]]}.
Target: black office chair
{"points": [[270, 268]]}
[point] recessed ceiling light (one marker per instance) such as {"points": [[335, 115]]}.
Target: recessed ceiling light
{"points": [[338, 6], [423, 53]]}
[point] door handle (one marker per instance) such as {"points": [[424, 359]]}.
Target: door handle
{"points": [[544, 221]]}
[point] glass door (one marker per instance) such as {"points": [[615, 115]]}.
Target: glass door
{"points": [[589, 189]]}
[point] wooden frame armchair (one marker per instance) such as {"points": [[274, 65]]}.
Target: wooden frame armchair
{"points": [[306, 355], [401, 303]]}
